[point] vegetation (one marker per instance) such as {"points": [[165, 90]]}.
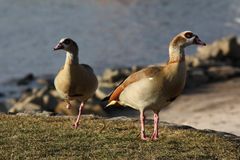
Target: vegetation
{"points": [[34, 137]]}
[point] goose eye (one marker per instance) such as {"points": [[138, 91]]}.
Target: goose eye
{"points": [[188, 35], [67, 42]]}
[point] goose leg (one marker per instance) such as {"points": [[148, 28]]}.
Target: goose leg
{"points": [[68, 106], [142, 120], [155, 131], [76, 124]]}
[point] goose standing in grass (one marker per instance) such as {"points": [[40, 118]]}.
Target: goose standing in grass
{"points": [[74, 81], [154, 88]]}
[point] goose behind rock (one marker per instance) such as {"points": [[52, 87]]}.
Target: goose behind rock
{"points": [[154, 88], [74, 81]]}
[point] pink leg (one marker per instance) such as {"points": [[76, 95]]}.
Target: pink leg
{"points": [[142, 120], [68, 104], [155, 131], [76, 124]]}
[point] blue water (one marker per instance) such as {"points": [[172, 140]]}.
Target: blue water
{"points": [[110, 33]]}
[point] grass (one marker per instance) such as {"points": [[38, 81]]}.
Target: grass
{"points": [[33, 137]]}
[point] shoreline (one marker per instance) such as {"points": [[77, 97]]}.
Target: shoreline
{"points": [[213, 72]]}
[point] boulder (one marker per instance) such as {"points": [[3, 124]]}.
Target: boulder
{"points": [[3, 107], [110, 74], [217, 61], [45, 113], [26, 80], [2, 94], [227, 47], [30, 101], [196, 77], [22, 107], [192, 61], [222, 72], [116, 75]]}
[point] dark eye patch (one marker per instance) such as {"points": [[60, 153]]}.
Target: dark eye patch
{"points": [[66, 41], [188, 35]]}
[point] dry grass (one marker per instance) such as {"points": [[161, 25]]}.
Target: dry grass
{"points": [[32, 137]]}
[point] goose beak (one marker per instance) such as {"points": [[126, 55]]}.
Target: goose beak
{"points": [[58, 47], [198, 41]]}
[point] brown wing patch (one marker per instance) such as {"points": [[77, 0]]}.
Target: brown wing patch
{"points": [[144, 73], [116, 93]]}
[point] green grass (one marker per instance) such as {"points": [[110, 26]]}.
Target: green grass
{"points": [[32, 137]]}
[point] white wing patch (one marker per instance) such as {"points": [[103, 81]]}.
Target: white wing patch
{"points": [[151, 78]]}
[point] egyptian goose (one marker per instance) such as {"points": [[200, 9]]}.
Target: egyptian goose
{"points": [[74, 81], [154, 88]]}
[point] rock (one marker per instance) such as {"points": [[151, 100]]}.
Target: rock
{"points": [[113, 75], [100, 94], [106, 84], [45, 113], [36, 113], [116, 75], [49, 102], [47, 99], [20, 107], [108, 74], [95, 109], [23, 114], [9, 102], [205, 64], [192, 61], [42, 81], [217, 61], [222, 72], [3, 107], [54, 93], [26, 80], [196, 77], [2, 94], [30, 101], [226, 47]]}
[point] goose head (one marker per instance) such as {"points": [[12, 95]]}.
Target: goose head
{"points": [[185, 39], [68, 45]]}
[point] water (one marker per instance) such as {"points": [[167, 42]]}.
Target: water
{"points": [[110, 33]]}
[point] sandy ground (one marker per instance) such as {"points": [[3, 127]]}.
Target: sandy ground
{"points": [[214, 106]]}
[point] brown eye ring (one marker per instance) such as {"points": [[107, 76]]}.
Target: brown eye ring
{"points": [[188, 35]]}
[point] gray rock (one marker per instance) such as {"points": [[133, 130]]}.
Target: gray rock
{"points": [[222, 72], [100, 94], [45, 114], [220, 49], [109, 74], [3, 107], [30, 101], [116, 75], [21, 107], [2, 94], [193, 61], [26, 80], [196, 77]]}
